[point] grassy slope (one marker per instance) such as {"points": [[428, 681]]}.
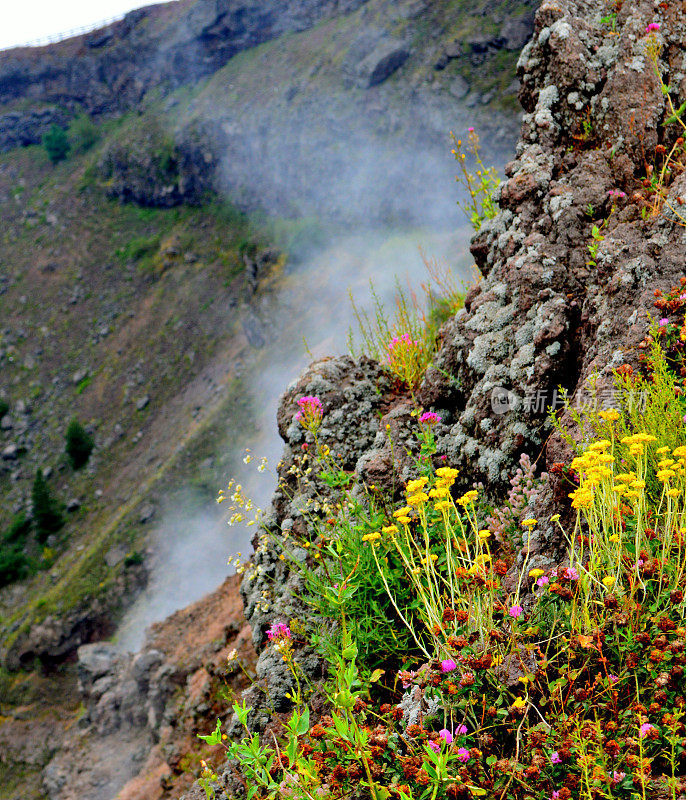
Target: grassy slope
{"points": [[167, 315]]}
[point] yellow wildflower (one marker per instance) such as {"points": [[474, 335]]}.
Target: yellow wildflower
{"points": [[418, 499], [404, 520], [483, 534], [402, 512], [662, 450], [371, 537], [674, 492], [529, 523], [581, 497], [441, 491], [468, 498], [535, 573], [611, 415], [416, 485], [443, 505], [609, 581], [519, 703], [390, 529], [614, 537], [446, 472]]}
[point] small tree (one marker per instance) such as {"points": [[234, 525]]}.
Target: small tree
{"points": [[79, 444], [56, 144], [47, 517]]}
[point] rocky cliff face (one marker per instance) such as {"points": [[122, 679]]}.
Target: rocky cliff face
{"points": [[111, 69], [546, 313]]}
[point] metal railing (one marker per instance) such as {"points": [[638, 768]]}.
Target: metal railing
{"points": [[59, 37]]}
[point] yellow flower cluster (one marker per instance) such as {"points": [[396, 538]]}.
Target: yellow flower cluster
{"points": [[467, 498], [593, 467]]}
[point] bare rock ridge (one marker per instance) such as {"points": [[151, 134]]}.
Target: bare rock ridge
{"points": [[543, 316], [110, 69]]}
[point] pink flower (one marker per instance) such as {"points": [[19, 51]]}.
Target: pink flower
{"points": [[435, 747], [571, 574], [555, 758], [463, 755], [663, 322], [555, 796], [279, 631], [543, 580], [448, 665], [612, 678], [516, 611], [471, 130], [430, 418], [645, 729], [461, 730], [653, 26], [617, 193], [446, 735], [618, 777]]}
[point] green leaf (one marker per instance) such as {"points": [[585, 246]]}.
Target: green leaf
{"points": [[215, 737], [303, 723], [676, 116]]}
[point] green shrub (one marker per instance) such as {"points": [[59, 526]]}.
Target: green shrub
{"points": [[14, 564], [56, 144], [79, 444], [18, 531], [83, 134], [47, 516]]}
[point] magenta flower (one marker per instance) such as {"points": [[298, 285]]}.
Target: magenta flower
{"points": [[430, 418], [653, 26], [463, 755], [446, 735], [555, 796], [311, 412], [461, 730], [555, 758], [612, 678], [471, 130], [571, 574], [543, 580], [516, 611], [618, 777], [663, 322], [435, 747], [448, 665], [645, 729], [279, 631], [617, 193]]}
